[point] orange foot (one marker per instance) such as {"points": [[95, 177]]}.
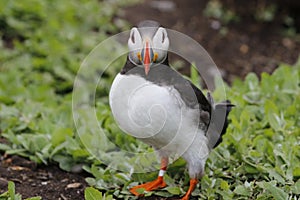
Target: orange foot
{"points": [[153, 185], [186, 197], [193, 183]]}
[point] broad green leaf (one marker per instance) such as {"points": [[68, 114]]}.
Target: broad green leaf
{"points": [[296, 187], [252, 81], [296, 172], [65, 162], [242, 190], [91, 193], [173, 190], [4, 147], [59, 135], [224, 185], [276, 192], [272, 113], [6, 100], [4, 196], [11, 190], [163, 193], [276, 176], [253, 97], [141, 190], [108, 197], [91, 181]]}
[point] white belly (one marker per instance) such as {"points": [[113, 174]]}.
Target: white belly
{"points": [[156, 115]]}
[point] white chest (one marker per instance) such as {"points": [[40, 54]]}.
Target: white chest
{"points": [[155, 114]]}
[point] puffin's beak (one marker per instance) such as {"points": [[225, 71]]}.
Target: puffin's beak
{"points": [[147, 57]]}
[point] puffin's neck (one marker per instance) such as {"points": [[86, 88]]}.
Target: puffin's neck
{"points": [[127, 67]]}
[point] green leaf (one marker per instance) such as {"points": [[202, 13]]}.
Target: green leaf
{"points": [[65, 162], [11, 189], [173, 190], [242, 190], [6, 100], [296, 187], [272, 114], [34, 198], [252, 81], [141, 190], [296, 172], [272, 173], [60, 134], [4, 147], [163, 193], [91, 181], [224, 185], [91, 193], [276, 192], [195, 77]]}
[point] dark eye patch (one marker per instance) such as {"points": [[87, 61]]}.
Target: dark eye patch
{"points": [[132, 38], [163, 37]]}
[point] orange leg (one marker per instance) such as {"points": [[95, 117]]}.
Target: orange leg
{"points": [[193, 183], [153, 185]]}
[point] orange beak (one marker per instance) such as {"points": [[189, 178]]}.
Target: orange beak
{"points": [[147, 58]]}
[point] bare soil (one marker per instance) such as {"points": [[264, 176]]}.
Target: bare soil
{"points": [[31, 179], [248, 46]]}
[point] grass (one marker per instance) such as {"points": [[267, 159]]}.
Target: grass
{"points": [[40, 56]]}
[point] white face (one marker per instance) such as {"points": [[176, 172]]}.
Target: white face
{"points": [[147, 51]]}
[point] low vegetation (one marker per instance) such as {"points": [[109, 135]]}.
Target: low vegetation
{"points": [[42, 46]]}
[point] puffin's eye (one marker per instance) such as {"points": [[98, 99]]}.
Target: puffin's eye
{"points": [[135, 45], [160, 45], [163, 37], [132, 37]]}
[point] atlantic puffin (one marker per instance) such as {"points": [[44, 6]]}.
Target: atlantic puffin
{"points": [[156, 104]]}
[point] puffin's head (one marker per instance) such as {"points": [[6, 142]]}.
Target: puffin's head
{"points": [[148, 44]]}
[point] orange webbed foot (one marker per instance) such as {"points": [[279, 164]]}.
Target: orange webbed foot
{"points": [[153, 185], [193, 183]]}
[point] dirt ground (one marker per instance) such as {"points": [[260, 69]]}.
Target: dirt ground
{"points": [[49, 182], [248, 46]]}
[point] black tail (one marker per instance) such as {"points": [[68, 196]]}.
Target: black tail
{"points": [[227, 106], [218, 123]]}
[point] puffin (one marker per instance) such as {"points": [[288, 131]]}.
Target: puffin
{"points": [[153, 102]]}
